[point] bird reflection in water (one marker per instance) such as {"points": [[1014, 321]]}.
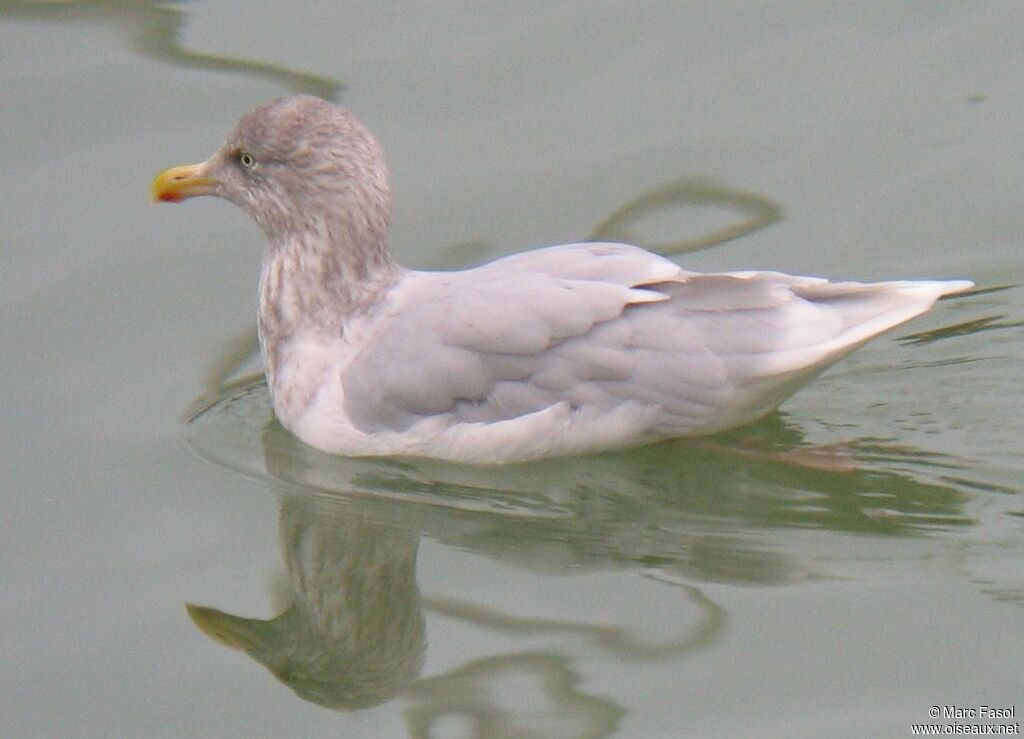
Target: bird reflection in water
{"points": [[353, 635]]}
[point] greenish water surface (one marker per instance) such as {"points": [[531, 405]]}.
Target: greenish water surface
{"points": [[837, 570]]}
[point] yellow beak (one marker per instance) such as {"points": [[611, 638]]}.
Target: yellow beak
{"points": [[177, 183]]}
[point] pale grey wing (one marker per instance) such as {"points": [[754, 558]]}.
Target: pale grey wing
{"points": [[489, 344], [469, 342], [708, 351], [476, 343]]}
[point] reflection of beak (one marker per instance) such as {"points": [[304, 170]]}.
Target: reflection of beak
{"points": [[234, 631], [177, 183]]}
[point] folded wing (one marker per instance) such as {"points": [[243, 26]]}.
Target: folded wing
{"points": [[599, 326]]}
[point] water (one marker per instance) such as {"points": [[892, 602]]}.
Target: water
{"points": [[836, 570]]}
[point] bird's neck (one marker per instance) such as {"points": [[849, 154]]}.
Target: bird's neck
{"points": [[313, 282]]}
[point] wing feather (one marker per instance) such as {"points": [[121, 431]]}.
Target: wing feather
{"points": [[598, 326]]}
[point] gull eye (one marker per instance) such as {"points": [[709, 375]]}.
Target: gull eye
{"points": [[246, 159]]}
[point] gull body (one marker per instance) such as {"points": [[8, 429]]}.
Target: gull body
{"points": [[563, 350]]}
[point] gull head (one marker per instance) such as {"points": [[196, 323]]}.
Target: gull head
{"points": [[298, 165]]}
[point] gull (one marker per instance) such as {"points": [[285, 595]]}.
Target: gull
{"points": [[569, 349]]}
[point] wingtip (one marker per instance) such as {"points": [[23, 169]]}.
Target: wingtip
{"points": [[954, 287]]}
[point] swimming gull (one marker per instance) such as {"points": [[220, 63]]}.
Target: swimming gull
{"points": [[562, 350]]}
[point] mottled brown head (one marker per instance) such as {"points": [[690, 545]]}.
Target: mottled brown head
{"points": [[297, 165]]}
